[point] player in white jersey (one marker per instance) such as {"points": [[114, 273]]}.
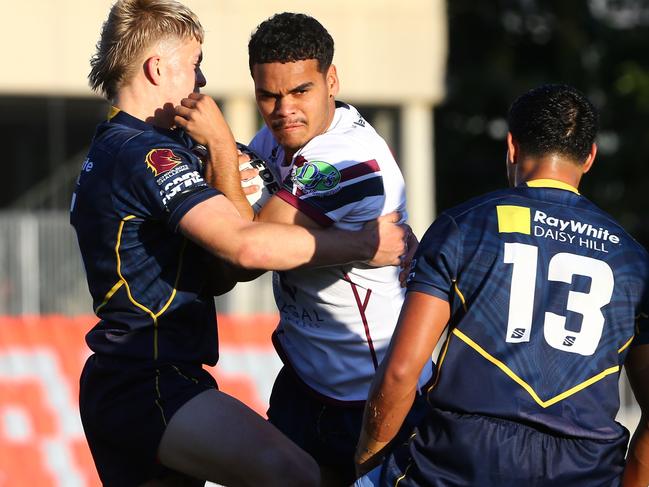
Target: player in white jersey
{"points": [[335, 322]]}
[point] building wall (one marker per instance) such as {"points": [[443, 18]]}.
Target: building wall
{"points": [[385, 54]]}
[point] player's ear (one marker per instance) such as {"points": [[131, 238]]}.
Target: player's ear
{"points": [[588, 163], [331, 78], [151, 69], [512, 149]]}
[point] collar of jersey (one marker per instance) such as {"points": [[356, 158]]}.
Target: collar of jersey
{"points": [[115, 115], [551, 183]]}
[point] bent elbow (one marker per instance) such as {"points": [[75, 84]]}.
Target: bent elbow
{"points": [[400, 374], [251, 256]]}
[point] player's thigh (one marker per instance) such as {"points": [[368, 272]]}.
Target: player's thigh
{"points": [[218, 438]]}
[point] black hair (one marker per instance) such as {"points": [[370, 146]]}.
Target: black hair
{"points": [[554, 119], [288, 37]]}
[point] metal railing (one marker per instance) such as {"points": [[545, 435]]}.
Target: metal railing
{"points": [[41, 271]]}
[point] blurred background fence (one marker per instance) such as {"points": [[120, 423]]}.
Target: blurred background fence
{"points": [[41, 271]]}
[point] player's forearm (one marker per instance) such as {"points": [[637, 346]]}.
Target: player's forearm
{"points": [[270, 246], [337, 247], [387, 408], [222, 172], [282, 247], [393, 389], [388, 403], [311, 247], [200, 117], [238, 198], [636, 471]]}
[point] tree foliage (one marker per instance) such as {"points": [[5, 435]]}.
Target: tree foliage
{"points": [[501, 48]]}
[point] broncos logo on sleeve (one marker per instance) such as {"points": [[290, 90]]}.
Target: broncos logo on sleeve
{"points": [[162, 160], [174, 175]]}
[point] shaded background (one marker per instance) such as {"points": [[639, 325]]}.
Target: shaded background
{"points": [[499, 49]]}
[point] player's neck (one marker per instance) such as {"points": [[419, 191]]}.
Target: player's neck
{"points": [[144, 105], [288, 155], [548, 167]]}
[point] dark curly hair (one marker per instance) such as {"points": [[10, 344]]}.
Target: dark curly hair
{"points": [[290, 37], [554, 119]]}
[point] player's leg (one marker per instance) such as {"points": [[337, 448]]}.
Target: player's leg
{"points": [[216, 437], [326, 431]]}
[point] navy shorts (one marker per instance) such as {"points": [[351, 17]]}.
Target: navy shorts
{"points": [[466, 450], [325, 429], [125, 406]]}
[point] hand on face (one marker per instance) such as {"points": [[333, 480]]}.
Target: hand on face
{"points": [[201, 118], [173, 71]]}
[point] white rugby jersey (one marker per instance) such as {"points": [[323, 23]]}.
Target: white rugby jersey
{"points": [[336, 322]]}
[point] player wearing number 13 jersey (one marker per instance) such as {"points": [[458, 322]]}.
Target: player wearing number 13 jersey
{"points": [[544, 295]]}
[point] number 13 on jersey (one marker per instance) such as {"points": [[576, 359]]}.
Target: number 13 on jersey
{"points": [[561, 268]]}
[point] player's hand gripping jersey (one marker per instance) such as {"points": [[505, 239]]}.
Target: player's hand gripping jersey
{"points": [[336, 323], [547, 294], [148, 283]]}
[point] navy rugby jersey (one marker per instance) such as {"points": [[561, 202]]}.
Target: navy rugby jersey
{"points": [[148, 282], [547, 294]]}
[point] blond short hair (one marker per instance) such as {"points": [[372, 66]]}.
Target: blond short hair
{"points": [[131, 28]]}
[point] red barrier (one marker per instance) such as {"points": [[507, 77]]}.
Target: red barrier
{"points": [[41, 357]]}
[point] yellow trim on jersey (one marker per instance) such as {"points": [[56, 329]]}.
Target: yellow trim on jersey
{"points": [[109, 295], [159, 396], [442, 355], [461, 296], [551, 183], [625, 346], [193, 379], [119, 268], [525, 385], [404, 474], [439, 366], [153, 315], [112, 112]]}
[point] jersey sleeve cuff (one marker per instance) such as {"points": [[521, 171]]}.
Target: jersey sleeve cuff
{"points": [[428, 289], [188, 203], [304, 207]]}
